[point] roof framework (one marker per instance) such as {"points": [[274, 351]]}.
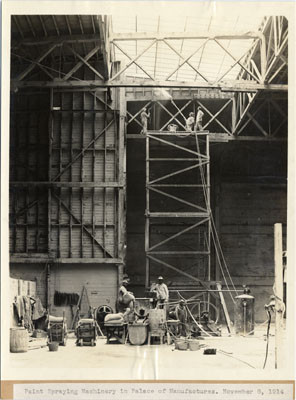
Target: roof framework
{"points": [[247, 58]]}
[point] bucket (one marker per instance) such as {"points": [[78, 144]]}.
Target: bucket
{"points": [[181, 344], [53, 346], [19, 340], [193, 345]]}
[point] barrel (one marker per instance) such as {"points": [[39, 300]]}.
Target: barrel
{"points": [[244, 314], [19, 340]]}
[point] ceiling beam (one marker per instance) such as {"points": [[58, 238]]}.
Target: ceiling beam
{"points": [[56, 40], [224, 137], [182, 35], [232, 86]]}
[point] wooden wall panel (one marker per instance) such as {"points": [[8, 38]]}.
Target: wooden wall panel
{"points": [[28, 162], [84, 151]]}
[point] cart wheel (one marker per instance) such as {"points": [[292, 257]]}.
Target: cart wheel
{"points": [[204, 306], [92, 342]]}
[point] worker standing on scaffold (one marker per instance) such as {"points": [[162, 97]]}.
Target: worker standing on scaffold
{"points": [[144, 120], [198, 123], [190, 122]]}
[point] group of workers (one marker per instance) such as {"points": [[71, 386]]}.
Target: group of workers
{"points": [[192, 124], [160, 298], [126, 299]]}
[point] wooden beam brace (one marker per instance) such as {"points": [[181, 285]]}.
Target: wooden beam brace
{"points": [[180, 171], [278, 108], [213, 117], [177, 146], [132, 62], [238, 62], [182, 35], [231, 86], [277, 55], [83, 226], [173, 117], [138, 112], [65, 184], [23, 74], [277, 72], [186, 61], [80, 63], [191, 277], [279, 127], [178, 234], [176, 198], [254, 113], [243, 112], [257, 124], [71, 39], [33, 260], [139, 123], [86, 63], [81, 153]]}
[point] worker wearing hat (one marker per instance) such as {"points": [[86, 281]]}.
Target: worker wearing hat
{"points": [[162, 292]]}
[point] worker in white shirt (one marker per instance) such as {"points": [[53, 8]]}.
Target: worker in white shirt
{"points": [[198, 123], [144, 120], [190, 122], [162, 292]]}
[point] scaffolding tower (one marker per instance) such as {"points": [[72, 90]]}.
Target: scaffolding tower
{"points": [[178, 214]]}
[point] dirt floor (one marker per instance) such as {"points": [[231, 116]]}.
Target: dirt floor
{"points": [[154, 361]]}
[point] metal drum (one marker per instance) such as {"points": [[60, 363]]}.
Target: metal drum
{"points": [[244, 314]]}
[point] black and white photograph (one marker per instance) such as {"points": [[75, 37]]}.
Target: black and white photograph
{"points": [[147, 208]]}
